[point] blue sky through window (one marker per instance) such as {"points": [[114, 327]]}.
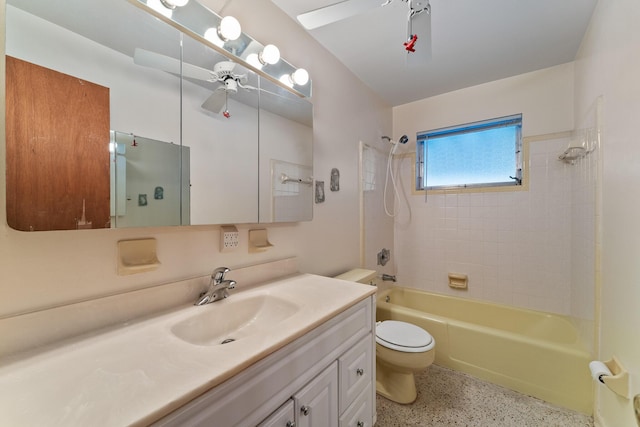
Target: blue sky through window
{"points": [[481, 157]]}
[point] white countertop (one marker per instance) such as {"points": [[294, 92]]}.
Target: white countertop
{"points": [[137, 373]]}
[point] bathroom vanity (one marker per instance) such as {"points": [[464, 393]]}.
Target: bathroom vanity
{"points": [[324, 378], [299, 351]]}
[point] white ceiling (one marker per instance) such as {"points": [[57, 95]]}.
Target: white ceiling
{"points": [[473, 42]]}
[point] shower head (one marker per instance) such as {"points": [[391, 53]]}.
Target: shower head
{"points": [[403, 140]]}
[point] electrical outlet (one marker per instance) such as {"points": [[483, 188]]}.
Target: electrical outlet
{"points": [[229, 238]]}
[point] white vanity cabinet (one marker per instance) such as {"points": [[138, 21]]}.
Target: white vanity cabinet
{"points": [[317, 402], [283, 417], [323, 378]]}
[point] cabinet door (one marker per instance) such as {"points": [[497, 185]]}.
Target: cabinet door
{"points": [[282, 417], [317, 403], [56, 167], [355, 369]]}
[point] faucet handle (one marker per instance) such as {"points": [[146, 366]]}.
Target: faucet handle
{"points": [[218, 273], [231, 284]]}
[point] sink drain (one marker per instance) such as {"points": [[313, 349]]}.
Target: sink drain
{"points": [[228, 340]]}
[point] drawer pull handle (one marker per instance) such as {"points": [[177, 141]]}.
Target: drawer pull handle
{"points": [[360, 424], [360, 372], [305, 410], [291, 424]]}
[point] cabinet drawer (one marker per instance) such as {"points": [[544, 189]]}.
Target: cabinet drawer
{"points": [[355, 371], [360, 413]]}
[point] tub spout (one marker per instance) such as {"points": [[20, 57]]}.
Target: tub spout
{"points": [[390, 277]]}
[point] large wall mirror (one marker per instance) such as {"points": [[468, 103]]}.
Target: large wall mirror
{"points": [[117, 119]]}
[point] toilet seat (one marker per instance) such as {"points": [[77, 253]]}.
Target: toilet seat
{"points": [[403, 336]]}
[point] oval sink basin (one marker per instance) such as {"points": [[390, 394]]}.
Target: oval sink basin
{"points": [[232, 319]]}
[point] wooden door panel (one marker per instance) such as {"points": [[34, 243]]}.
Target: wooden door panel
{"points": [[57, 149]]}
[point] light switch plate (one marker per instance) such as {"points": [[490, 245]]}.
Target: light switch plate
{"points": [[229, 238]]}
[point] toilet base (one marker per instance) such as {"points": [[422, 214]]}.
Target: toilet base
{"points": [[399, 387]]}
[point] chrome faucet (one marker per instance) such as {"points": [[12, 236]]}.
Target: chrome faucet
{"points": [[386, 277], [218, 287]]}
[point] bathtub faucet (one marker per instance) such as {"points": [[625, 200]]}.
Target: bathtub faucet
{"points": [[386, 277]]}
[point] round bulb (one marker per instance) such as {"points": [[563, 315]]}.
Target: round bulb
{"points": [[300, 77], [230, 28], [172, 4], [270, 54], [212, 35], [286, 80], [253, 60], [162, 8]]}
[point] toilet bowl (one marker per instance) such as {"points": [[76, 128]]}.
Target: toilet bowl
{"points": [[402, 349]]}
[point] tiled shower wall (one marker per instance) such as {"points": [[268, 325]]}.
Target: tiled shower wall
{"points": [[376, 226], [516, 247], [585, 224]]}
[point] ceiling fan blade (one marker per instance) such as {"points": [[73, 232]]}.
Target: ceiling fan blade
{"points": [[216, 101], [171, 65], [336, 12], [420, 25]]}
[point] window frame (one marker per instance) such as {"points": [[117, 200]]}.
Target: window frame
{"points": [[516, 183]]}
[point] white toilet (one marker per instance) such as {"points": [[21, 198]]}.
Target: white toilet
{"points": [[401, 350]]}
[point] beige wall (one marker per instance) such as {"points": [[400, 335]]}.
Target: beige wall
{"points": [[44, 269], [543, 97], [609, 65]]}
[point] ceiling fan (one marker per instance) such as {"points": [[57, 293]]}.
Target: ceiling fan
{"points": [[418, 42], [223, 72]]}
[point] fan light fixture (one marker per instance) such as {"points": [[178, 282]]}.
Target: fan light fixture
{"points": [[229, 29], [299, 77], [172, 4]]}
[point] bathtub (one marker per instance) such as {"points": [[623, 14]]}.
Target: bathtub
{"points": [[535, 353]]}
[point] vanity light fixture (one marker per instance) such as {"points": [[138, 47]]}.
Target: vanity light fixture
{"points": [[160, 7], [225, 36], [229, 29], [172, 4], [212, 35], [269, 55], [299, 77]]}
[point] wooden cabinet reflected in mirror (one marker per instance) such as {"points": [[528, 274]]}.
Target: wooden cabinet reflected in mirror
{"points": [[57, 139], [224, 170]]}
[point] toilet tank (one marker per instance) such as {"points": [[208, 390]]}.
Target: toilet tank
{"points": [[359, 275]]}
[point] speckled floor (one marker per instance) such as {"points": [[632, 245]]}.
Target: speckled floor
{"points": [[450, 398]]}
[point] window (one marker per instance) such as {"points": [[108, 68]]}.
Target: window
{"points": [[481, 154]]}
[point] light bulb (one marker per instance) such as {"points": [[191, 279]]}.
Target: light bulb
{"points": [[172, 4], [300, 77], [270, 54], [161, 8], [229, 28], [212, 35], [252, 59], [286, 80]]}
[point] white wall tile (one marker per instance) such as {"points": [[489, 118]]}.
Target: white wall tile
{"points": [[521, 248]]}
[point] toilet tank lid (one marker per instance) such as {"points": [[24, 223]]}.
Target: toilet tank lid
{"points": [[402, 334], [359, 275]]}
